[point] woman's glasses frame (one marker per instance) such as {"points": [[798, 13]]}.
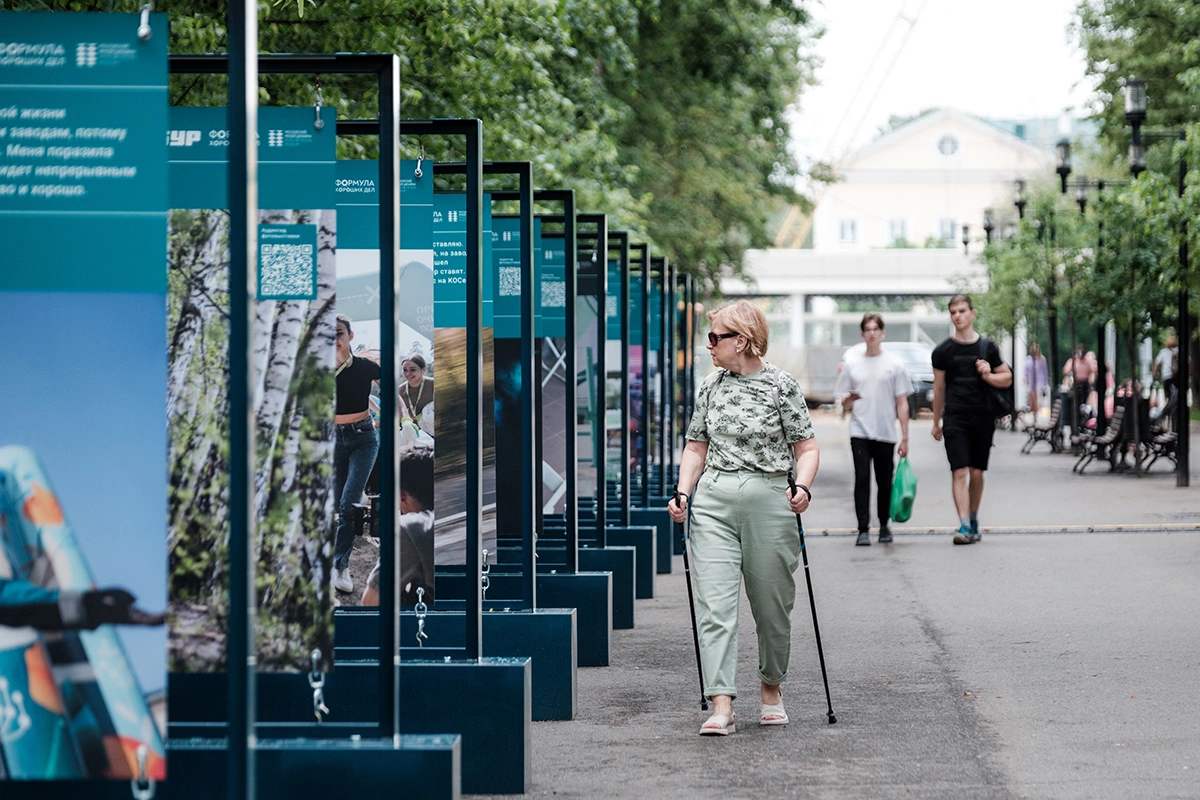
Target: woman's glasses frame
{"points": [[713, 338]]}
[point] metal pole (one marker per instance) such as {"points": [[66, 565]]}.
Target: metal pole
{"points": [[1101, 335], [389, 382], [623, 302], [1182, 378], [644, 417], [531, 465], [474, 379], [672, 316], [242, 21], [571, 369]]}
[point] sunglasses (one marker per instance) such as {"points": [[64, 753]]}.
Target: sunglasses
{"points": [[713, 338]]}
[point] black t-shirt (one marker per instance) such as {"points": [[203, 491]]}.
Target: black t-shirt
{"points": [[354, 385], [964, 386]]}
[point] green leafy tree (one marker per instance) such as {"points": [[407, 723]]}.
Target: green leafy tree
{"points": [[707, 133], [1159, 41], [669, 115]]}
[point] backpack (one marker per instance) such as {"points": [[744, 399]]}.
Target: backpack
{"points": [[999, 404]]}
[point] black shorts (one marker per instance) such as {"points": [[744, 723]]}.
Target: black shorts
{"points": [[968, 439]]}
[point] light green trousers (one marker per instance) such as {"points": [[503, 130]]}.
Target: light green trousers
{"points": [[742, 527]]}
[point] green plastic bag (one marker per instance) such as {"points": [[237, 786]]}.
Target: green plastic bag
{"points": [[904, 491]]}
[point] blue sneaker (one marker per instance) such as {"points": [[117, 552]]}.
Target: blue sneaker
{"points": [[975, 535], [964, 536]]}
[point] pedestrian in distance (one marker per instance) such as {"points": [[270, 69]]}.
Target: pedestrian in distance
{"points": [[875, 390], [1036, 376], [964, 366], [1164, 365], [750, 429]]}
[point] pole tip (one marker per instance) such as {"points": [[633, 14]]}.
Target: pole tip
{"points": [[832, 717]]}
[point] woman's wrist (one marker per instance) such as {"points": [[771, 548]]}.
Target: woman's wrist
{"points": [[806, 491]]}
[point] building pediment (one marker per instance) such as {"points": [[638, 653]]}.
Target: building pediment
{"points": [[946, 141]]}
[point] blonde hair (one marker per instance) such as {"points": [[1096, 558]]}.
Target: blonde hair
{"points": [[745, 318]]}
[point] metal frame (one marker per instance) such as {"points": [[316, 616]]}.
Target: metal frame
{"points": [[661, 264], [619, 240], [472, 131], [529, 476], [570, 246], [600, 253], [644, 418], [670, 315], [243, 65]]}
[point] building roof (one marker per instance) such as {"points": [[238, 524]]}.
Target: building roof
{"points": [[942, 116]]}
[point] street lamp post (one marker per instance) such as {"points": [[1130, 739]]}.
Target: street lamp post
{"points": [[966, 239], [1062, 151], [1020, 201], [1135, 115], [1081, 198]]}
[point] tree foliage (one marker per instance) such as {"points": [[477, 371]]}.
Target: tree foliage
{"points": [[1159, 41], [669, 115]]}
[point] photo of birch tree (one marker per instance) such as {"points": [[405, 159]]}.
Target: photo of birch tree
{"points": [[293, 395]]}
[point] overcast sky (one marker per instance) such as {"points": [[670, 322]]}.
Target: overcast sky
{"points": [[995, 58]]}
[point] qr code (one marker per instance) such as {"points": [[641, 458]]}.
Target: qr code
{"points": [[510, 281], [554, 294], [287, 271]]}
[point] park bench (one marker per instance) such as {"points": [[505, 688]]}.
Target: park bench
{"points": [[1163, 439], [1094, 446], [1048, 432]]}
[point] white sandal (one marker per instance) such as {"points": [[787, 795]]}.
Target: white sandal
{"points": [[773, 714], [718, 725]]}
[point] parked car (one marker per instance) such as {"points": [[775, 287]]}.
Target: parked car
{"points": [[918, 360]]}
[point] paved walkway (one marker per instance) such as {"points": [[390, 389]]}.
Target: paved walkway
{"points": [[1040, 665]]}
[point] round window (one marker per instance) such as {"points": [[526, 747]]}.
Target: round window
{"points": [[947, 145]]}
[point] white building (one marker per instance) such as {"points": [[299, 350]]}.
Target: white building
{"points": [[887, 236], [922, 182]]}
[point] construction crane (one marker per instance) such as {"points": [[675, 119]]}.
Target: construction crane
{"points": [[796, 224]]}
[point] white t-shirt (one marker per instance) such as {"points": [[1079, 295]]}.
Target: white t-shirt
{"points": [[878, 380], [1163, 360]]}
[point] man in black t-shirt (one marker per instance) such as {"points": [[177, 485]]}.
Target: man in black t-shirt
{"points": [[964, 365]]}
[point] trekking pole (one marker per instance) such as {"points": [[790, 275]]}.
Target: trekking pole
{"points": [[811, 602], [687, 573]]}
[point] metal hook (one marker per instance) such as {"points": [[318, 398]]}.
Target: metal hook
{"points": [[318, 123], [421, 609], [316, 680], [143, 31], [142, 786], [420, 156]]}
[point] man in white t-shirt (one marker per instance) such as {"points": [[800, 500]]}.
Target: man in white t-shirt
{"points": [[1164, 363], [875, 390]]}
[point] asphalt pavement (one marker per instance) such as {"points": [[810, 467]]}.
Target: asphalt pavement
{"points": [[1057, 658]]}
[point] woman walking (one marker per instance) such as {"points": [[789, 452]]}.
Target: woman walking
{"points": [[750, 429], [1036, 376], [355, 447]]}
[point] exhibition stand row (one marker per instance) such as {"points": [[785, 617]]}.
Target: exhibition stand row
{"points": [[537, 358]]}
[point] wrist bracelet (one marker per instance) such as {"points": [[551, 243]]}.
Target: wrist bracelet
{"points": [[806, 491]]}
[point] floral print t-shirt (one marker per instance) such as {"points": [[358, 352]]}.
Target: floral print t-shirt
{"points": [[736, 415]]}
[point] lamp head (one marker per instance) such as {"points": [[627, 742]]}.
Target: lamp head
{"points": [[1135, 100]]}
